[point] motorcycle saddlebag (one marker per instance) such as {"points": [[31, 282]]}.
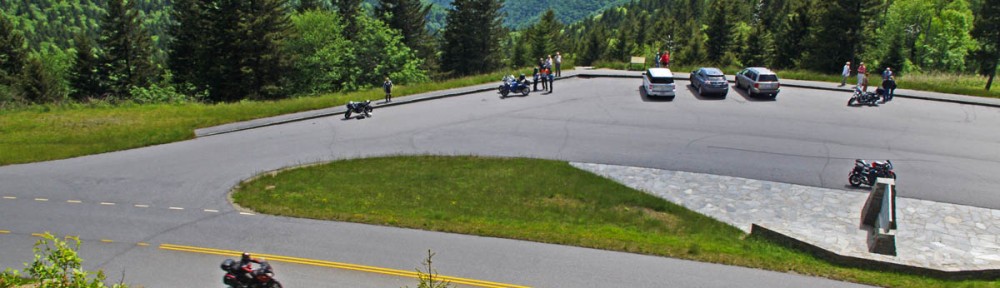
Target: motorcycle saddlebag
{"points": [[230, 280]]}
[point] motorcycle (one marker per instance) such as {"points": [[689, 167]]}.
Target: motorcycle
{"points": [[363, 108], [236, 275], [863, 98], [867, 174], [513, 85]]}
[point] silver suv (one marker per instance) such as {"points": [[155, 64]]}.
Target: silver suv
{"points": [[758, 81]]}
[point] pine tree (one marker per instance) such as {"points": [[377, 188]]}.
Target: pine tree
{"points": [[349, 10], [84, 77], [472, 37], [409, 16], [188, 43], [720, 29], [306, 5], [38, 84], [987, 31], [127, 57], [265, 64], [12, 51]]}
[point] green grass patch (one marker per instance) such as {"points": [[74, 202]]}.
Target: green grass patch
{"points": [[535, 200], [50, 132]]}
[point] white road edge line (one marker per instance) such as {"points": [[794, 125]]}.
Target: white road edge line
{"points": [[246, 213]]}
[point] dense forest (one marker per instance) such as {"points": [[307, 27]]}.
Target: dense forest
{"points": [[228, 50], [818, 35]]}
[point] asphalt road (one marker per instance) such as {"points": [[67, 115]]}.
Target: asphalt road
{"points": [[177, 193]]}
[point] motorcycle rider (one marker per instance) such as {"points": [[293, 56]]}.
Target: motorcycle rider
{"points": [[522, 80], [246, 268]]}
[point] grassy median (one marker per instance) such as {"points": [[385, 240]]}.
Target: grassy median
{"points": [[535, 200]]}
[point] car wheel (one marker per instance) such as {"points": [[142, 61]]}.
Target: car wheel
{"points": [[701, 90]]}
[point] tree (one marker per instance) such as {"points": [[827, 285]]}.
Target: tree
{"points": [[472, 37], [84, 78], [409, 16], [319, 52], [950, 40], [306, 5], [349, 10], [12, 51], [987, 32], [127, 57], [263, 64], [719, 31], [188, 43], [545, 36], [38, 83]]}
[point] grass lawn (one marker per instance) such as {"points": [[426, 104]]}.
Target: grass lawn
{"points": [[536, 200], [49, 132]]}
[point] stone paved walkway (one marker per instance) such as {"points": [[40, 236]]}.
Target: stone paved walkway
{"points": [[932, 235]]}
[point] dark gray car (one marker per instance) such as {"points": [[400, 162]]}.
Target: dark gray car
{"points": [[710, 80], [758, 81]]}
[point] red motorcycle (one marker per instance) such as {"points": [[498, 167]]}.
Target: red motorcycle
{"points": [[247, 277]]}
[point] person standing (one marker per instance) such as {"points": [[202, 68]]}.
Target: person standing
{"points": [[656, 60], [889, 85], [558, 64], [536, 78], [542, 70], [387, 86], [864, 82], [552, 79], [845, 73], [665, 59], [862, 73], [887, 73]]}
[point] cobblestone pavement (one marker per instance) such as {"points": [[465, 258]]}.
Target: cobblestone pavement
{"points": [[931, 235]]}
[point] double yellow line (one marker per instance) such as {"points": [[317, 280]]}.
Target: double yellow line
{"points": [[337, 265]]}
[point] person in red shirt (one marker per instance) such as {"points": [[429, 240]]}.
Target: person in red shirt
{"points": [[862, 72], [665, 59]]}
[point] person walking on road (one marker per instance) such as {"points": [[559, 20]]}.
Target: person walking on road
{"points": [[845, 73], [387, 86], [558, 64]]}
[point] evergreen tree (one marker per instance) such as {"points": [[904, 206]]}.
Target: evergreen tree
{"points": [[791, 37], [845, 27], [349, 10], [12, 51], [188, 43], [409, 16], [306, 5], [987, 31], [472, 37], [545, 36], [263, 64], [38, 84], [127, 57], [84, 77], [719, 31]]}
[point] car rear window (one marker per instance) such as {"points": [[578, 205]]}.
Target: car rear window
{"points": [[716, 78], [768, 78], [661, 80]]}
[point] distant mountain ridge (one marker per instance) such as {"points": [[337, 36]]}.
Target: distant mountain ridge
{"points": [[521, 13]]}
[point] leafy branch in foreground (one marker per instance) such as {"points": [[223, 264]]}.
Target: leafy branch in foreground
{"points": [[56, 265]]}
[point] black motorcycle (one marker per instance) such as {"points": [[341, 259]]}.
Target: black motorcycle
{"points": [[863, 98], [867, 174], [246, 277], [363, 108]]}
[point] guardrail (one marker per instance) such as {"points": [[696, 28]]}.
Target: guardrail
{"points": [[879, 217]]}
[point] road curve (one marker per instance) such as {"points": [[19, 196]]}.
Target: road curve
{"points": [[177, 193]]}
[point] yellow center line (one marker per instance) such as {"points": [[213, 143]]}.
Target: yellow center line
{"points": [[4, 232], [37, 234], [338, 265], [106, 240]]}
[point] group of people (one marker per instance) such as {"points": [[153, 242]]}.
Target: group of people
{"points": [[662, 59], [548, 69], [886, 90]]}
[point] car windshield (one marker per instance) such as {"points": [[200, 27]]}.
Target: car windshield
{"points": [[768, 78], [661, 80]]}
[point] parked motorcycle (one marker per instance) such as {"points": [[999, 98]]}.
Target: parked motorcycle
{"points": [[863, 98], [513, 85], [867, 174], [363, 108], [236, 275]]}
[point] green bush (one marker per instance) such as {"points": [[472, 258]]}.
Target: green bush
{"points": [[56, 265]]}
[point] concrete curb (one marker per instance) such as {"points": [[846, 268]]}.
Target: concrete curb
{"points": [[789, 241], [308, 115]]}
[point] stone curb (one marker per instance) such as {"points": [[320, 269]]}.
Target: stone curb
{"points": [[789, 241], [308, 115]]}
